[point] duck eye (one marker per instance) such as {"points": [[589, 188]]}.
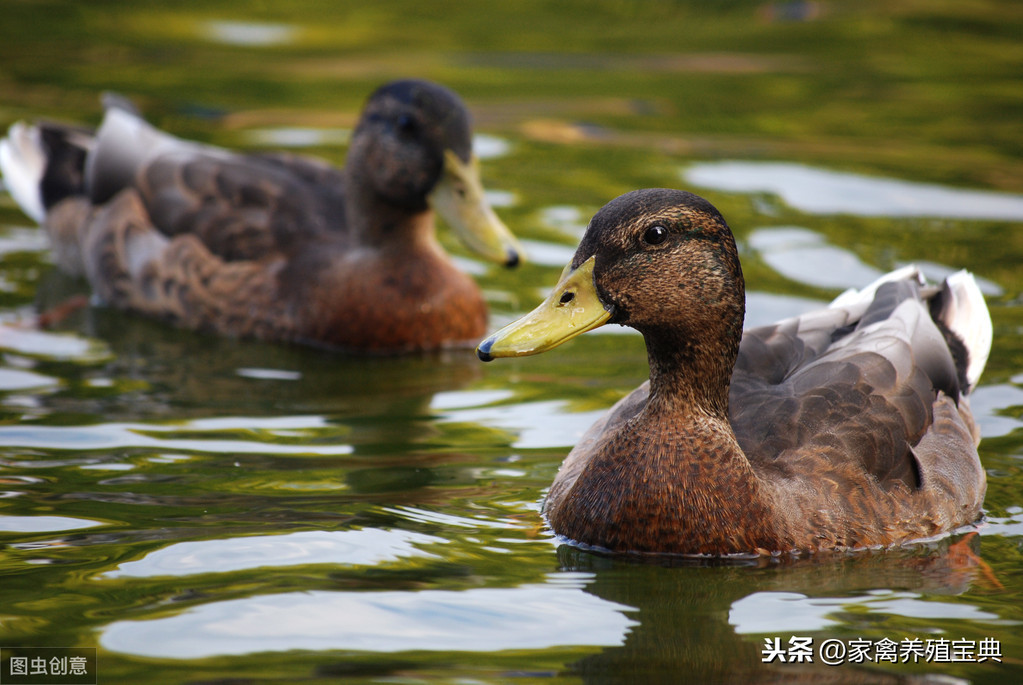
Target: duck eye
{"points": [[655, 235], [407, 125]]}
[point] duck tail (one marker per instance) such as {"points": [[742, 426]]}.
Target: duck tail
{"points": [[43, 164], [124, 142], [22, 164], [962, 310]]}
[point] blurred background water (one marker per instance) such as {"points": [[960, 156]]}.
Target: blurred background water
{"points": [[216, 511]]}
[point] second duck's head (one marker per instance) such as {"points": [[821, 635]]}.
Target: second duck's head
{"points": [[412, 149]]}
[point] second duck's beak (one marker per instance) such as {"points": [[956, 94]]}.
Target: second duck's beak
{"points": [[459, 198], [570, 310]]}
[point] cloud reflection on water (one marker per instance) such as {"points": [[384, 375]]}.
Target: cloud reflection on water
{"points": [[822, 191], [476, 620]]}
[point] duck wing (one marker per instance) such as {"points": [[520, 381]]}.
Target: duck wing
{"points": [[240, 206], [177, 279], [874, 384]]}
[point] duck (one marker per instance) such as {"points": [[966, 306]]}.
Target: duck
{"points": [[276, 246], [841, 429]]}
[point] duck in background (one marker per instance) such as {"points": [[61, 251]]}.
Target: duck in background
{"points": [[277, 247], [840, 429]]}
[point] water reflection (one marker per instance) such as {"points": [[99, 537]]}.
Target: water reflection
{"points": [[43, 524], [548, 254], [821, 191], [269, 374], [806, 257], [14, 379], [571, 221], [477, 620], [725, 605], [44, 345], [793, 612], [451, 521], [488, 146], [249, 33], [364, 547], [181, 373], [994, 407], [113, 436], [14, 239], [534, 424], [763, 309]]}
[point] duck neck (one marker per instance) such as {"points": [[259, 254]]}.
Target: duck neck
{"points": [[695, 474], [692, 373], [674, 478], [374, 222]]}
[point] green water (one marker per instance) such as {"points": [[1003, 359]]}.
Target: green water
{"points": [[215, 511]]}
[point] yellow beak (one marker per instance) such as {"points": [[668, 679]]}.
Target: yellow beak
{"points": [[458, 197], [570, 310]]}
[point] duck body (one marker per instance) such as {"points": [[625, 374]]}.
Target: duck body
{"points": [[278, 247], [840, 429]]}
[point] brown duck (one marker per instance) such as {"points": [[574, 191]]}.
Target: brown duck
{"points": [[843, 428], [273, 246]]}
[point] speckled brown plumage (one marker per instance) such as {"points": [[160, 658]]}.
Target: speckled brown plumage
{"points": [[276, 247], [844, 428]]}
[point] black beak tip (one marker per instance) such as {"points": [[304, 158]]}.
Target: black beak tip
{"points": [[483, 350], [512, 259]]}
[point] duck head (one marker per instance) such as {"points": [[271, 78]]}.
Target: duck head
{"points": [[661, 261], [412, 150]]}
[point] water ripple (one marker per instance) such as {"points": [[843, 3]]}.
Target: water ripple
{"points": [[43, 524], [365, 547], [822, 191], [784, 612], [477, 620], [109, 436]]}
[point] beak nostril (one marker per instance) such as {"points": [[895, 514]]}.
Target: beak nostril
{"points": [[567, 297]]}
